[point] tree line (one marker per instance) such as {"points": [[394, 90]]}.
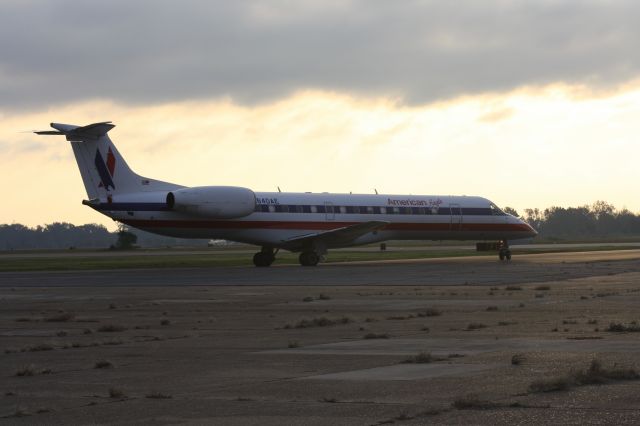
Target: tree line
{"points": [[600, 220], [63, 235]]}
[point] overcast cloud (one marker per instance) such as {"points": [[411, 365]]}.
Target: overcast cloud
{"points": [[158, 51]]}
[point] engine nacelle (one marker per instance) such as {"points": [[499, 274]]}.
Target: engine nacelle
{"points": [[218, 202]]}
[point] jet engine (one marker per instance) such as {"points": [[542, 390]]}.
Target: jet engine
{"points": [[217, 202]]}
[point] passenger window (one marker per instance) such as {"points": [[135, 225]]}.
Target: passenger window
{"points": [[272, 208], [306, 209], [396, 210], [369, 210], [383, 210], [314, 209], [343, 209]]}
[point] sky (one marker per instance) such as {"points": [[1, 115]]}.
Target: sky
{"points": [[530, 104]]}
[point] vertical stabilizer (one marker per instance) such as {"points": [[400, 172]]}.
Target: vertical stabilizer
{"points": [[104, 171]]}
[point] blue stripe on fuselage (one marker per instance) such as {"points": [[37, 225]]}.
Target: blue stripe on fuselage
{"points": [[139, 207], [154, 207]]}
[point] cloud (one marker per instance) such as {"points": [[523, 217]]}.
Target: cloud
{"points": [[54, 52], [551, 147], [495, 115]]}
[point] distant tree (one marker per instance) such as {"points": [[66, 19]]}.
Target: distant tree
{"points": [[535, 218], [511, 211], [53, 236], [600, 208], [15, 236], [126, 239], [606, 221], [60, 235], [572, 222]]}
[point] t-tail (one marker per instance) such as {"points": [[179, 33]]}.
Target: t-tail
{"points": [[104, 172]]}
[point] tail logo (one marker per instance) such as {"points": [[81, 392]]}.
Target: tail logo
{"points": [[105, 170]]}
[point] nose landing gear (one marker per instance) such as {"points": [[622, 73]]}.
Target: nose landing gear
{"points": [[504, 253]]}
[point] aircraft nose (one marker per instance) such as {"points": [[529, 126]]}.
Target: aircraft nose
{"points": [[532, 232]]}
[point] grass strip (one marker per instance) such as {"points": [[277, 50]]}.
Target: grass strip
{"points": [[73, 262]]}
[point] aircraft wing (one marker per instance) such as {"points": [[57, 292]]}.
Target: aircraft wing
{"points": [[334, 237]]}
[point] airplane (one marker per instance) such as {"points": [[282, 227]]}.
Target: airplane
{"points": [[305, 223]]}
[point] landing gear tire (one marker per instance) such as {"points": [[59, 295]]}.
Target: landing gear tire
{"points": [[309, 258], [504, 254], [262, 259]]}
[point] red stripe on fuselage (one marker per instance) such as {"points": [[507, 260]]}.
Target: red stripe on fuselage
{"points": [[322, 226]]}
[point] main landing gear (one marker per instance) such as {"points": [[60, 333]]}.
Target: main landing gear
{"points": [[504, 253], [264, 257], [309, 258]]}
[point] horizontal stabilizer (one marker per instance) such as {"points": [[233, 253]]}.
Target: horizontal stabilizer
{"points": [[47, 132], [79, 133]]}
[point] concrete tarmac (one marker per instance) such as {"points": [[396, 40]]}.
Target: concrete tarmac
{"points": [[250, 250], [440, 341], [483, 270]]}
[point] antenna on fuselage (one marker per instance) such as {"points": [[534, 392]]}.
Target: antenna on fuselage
{"points": [[375, 190], [279, 189]]}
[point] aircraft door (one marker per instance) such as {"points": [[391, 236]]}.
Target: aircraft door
{"points": [[329, 211], [456, 217]]}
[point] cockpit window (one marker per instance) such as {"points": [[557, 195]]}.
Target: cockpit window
{"points": [[495, 210]]}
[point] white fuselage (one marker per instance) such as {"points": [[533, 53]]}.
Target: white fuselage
{"points": [[300, 222], [280, 216]]}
